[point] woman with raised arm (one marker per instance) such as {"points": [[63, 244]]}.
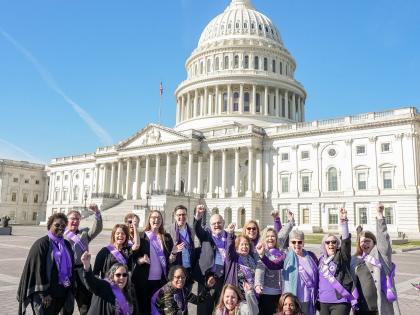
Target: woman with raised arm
{"points": [[337, 293], [374, 271], [152, 261], [173, 297], [240, 262], [117, 251], [231, 301], [111, 295]]}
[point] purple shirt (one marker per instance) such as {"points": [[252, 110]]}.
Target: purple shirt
{"points": [[155, 272], [303, 292], [327, 293]]}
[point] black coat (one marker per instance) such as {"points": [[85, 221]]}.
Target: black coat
{"points": [[192, 250], [104, 261], [40, 275]]}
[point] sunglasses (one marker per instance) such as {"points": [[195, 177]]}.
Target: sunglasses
{"points": [[297, 242], [249, 228], [57, 225], [331, 242], [130, 221], [119, 275]]}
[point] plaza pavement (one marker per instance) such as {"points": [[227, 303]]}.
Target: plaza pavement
{"points": [[14, 249]]}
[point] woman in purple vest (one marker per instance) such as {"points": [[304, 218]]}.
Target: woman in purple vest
{"points": [[152, 267], [374, 271], [117, 251], [336, 287], [111, 296]]}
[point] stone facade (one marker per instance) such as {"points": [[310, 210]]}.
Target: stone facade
{"points": [[23, 191], [242, 146]]}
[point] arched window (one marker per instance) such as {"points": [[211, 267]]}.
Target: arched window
{"points": [[76, 193], [195, 69], [256, 63], [274, 65], [225, 102], [246, 62], [246, 102], [216, 64], [257, 103], [208, 65], [235, 101], [236, 62], [226, 63], [201, 67], [281, 68], [265, 64], [332, 179]]}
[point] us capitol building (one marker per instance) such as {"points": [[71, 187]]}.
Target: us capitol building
{"points": [[241, 145]]}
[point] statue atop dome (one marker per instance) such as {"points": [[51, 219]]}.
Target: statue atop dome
{"points": [[246, 3]]}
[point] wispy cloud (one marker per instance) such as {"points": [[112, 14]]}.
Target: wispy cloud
{"points": [[13, 152], [46, 76]]}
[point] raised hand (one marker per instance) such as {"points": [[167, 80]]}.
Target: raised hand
{"points": [[258, 289], [260, 249], [380, 211], [247, 286], [290, 215], [231, 228], [86, 256], [275, 214], [143, 260], [94, 207], [343, 215], [200, 210], [179, 247], [211, 282]]}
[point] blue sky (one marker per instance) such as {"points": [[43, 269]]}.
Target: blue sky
{"points": [[75, 75]]}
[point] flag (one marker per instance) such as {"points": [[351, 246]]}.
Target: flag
{"points": [[161, 89]]}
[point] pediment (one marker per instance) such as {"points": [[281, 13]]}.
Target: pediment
{"points": [[152, 135]]}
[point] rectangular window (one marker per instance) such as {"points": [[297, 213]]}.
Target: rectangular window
{"points": [[57, 178], [285, 184], [87, 175], [385, 147], [387, 177], [66, 177], [65, 195], [332, 216], [304, 155], [37, 182], [15, 180], [305, 216], [361, 181], [56, 195], [26, 181], [360, 149], [265, 64], [25, 198], [285, 156], [36, 198], [34, 216], [389, 215], [14, 196], [305, 183], [363, 219]]}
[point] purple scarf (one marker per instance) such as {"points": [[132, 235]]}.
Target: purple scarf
{"points": [[116, 253], [62, 259], [120, 301], [181, 238], [154, 242], [246, 270], [327, 269], [220, 242], [76, 240], [275, 255], [387, 281]]}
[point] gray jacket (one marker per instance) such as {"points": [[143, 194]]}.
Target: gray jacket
{"points": [[369, 276]]}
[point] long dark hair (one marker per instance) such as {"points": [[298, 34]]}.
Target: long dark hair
{"points": [[282, 300], [125, 230]]}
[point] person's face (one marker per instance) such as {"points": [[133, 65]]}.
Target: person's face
{"points": [[73, 222], [119, 237], [243, 247], [57, 227], [121, 277], [181, 217], [288, 306], [230, 299], [155, 220], [216, 224], [178, 281], [270, 239], [251, 231], [366, 244], [297, 246], [331, 245]]}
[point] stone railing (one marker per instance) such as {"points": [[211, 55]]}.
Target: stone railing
{"points": [[107, 196], [74, 158]]}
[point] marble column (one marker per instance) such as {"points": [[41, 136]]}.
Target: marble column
{"points": [[241, 98], [147, 174], [294, 106], [178, 173], [138, 184], [250, 171], [275, 192], [258, 172], [211, 175], [157, 173], [236, 189], [97, 178], [195, 114], [286, 104], [112, 184], [223, 190], [119, 175], [254, 99], [199, 174], [229, 99], [190, 165], [267, 178], [278, 103], [168, 172], [128, 186], [188, 113], [206, 102], [266, 101]]}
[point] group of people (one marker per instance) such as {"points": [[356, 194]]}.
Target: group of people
{"points": [[238, 273]]}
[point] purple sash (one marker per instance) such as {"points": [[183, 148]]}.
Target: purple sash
{"points": [[327, 270], [130, 243], [275, 255], [184, 240], [155, 310], [220, 242], [246, 271], [387, 281], [62, 259], [116, 253], [120, 301], [76, 240], [157, 247]]}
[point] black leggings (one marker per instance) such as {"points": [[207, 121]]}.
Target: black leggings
{"points": [[335, 309], [268, 304]]}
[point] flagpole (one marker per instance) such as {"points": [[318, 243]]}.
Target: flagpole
{"points": [[161, 102]]}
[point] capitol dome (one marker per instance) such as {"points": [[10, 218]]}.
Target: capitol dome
{"points": [[240, 72]]}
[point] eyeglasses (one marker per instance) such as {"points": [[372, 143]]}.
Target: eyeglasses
{"points": [[130, 221], [119, 275], [74, 219], [57, 225], [251, 228], [297, 242], [180, 277], [181, 214], [334, 242]]}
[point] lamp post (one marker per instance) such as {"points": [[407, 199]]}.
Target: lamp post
{"points": [[85, 198], [147, 200]]}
